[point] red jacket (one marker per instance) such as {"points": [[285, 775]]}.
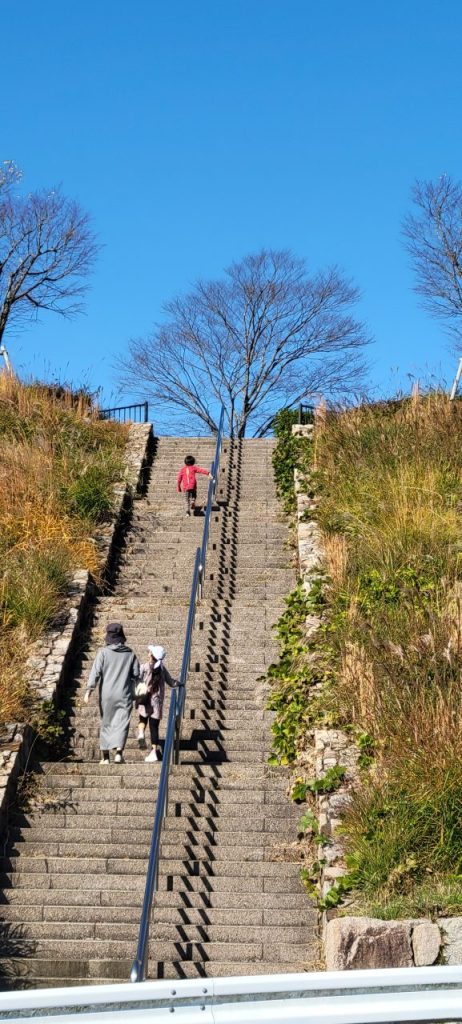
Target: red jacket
{"points": [[187, 477]]}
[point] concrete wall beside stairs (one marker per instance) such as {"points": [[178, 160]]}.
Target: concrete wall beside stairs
{"points": [[230, 899]]}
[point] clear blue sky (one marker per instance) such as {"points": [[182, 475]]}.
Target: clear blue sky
{"points": [[197, 132]]}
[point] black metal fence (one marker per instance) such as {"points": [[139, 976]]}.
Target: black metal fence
{"points": [[305, 413], [127, 413]]}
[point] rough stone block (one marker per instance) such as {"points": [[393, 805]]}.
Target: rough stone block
{"points": [[451, 928], [302, 429], [353, 943], [426, 943]]}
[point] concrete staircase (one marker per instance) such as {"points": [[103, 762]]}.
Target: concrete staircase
{"points": [[230, 899]]}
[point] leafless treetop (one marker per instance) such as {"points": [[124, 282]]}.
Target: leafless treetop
{"points": [[47, 248], [266, 334], [434, 240]]}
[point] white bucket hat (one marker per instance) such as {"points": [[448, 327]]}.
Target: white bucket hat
{"points": [[158, 653]]}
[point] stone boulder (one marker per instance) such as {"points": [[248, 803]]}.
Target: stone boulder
{"points": [[426, 943], [451, 928], [353, 943]]}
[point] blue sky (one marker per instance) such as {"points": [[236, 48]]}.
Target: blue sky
{"points": [[197, 132]]}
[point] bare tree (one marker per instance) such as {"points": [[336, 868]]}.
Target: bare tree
{"points": [[47, 248], [434, 240], [267, 334]]}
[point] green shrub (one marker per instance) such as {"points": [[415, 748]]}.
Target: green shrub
{"points": [[291, 452]]}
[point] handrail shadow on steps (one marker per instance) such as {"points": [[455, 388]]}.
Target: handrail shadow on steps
{"points": [[171, 754]]}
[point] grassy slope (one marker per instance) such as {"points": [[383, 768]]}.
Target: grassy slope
{"points": [[389, 652], [57, 467]]}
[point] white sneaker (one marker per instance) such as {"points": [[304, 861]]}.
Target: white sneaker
{"points": [[104, 760], [119, 759], [141, 738], [152, 756]]}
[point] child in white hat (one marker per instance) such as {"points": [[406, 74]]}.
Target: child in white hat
{"points": [[150, 693]]}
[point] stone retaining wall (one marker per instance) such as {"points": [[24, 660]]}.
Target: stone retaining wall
{"points": [[351, 943], [49, 663]]}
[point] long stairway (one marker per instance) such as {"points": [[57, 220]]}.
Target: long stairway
{"points": [[230, 899]]}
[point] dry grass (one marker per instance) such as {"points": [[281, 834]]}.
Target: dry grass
{"points": [[57, 466], [391, 500], [335, 551]]}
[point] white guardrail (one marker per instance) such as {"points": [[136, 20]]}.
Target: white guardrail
{"points": [[353, 997]]}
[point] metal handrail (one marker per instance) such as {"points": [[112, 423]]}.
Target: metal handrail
{"points": [[173, 732], [210, 497]]}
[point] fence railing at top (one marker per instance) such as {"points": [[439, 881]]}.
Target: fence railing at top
{"points": [[305, 413], [171, 754], [124, 413]]}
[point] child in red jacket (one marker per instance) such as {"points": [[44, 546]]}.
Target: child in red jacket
{"points": [[187, 478]]}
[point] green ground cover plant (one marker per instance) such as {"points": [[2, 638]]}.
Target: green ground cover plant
{"points": [[291, 452], [58, 464]]}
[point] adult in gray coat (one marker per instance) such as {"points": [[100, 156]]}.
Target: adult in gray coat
{"points": [[116, 669]]}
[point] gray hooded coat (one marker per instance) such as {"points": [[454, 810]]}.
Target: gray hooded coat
{"points": [[116, 669]]}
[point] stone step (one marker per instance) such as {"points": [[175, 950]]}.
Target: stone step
{"points": [[165, 950], [181, 881], [104, 779], [204, 754], [214, 820], [94, 972], [142, 813], [225, 776], [193, 734], [204, 710], [166, 916], [246, 846], [208, 802], [227, 831], [143, 800], [181, 933], [183, 900]]}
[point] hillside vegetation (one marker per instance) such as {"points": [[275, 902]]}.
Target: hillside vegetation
{"points": [[388, 654], [58, 463]]}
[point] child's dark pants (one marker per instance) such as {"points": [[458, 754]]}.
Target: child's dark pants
{"points": [[154, 730], [190, 498]]}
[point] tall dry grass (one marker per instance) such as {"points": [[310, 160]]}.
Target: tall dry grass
{"points": [[390, 481], [57, 466]]}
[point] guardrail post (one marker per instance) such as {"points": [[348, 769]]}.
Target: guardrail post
{"points": [[146, 412]]}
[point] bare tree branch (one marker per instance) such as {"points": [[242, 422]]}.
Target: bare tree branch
{"points": [[266, 333], [433, 238], [47, 249]]}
